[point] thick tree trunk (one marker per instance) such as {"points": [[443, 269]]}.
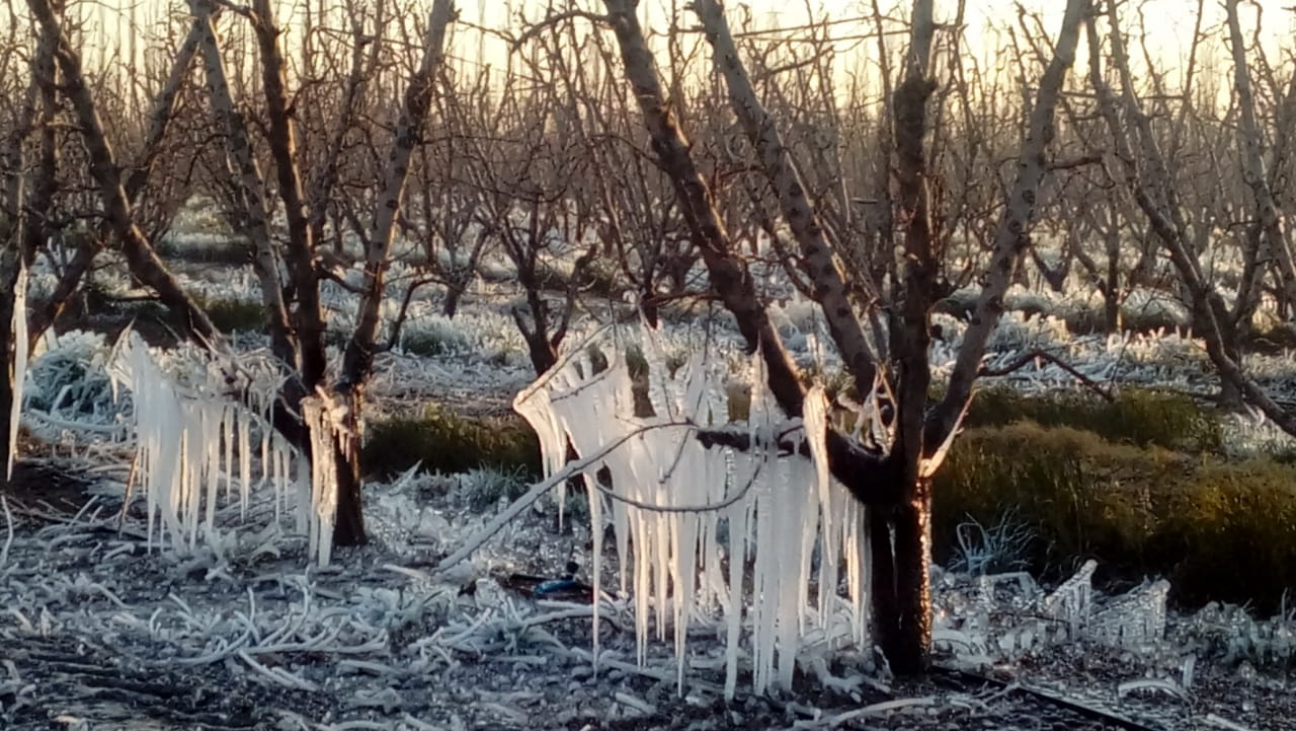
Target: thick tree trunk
{"points": [[900, 598], [454, 293], [9, 276], [543, 353], [349, 526], [908, 644]]}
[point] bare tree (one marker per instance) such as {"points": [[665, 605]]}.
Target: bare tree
{"points": [[1147, 177], [295, 314], [893, 479]]}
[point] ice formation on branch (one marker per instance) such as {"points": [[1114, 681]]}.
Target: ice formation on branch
{"points": [[18, 337], [324, 420], [192, 438], [697, 529]]}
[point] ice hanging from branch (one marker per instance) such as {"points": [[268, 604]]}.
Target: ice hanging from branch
{"points": [[192, 437], [324, 420], [18, 332], [701, 532]]}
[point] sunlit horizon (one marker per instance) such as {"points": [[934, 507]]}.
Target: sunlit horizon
{"points": [[986, 28]]}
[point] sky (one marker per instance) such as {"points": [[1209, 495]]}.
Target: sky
{"points": [[1172, 19]]}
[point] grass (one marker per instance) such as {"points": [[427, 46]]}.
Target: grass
{"points": [[1141, 417], [450, 443], [1218, 529], [231, 316], [434, 340]]}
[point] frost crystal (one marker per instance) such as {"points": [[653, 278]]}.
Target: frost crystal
{"points": [[680, 511]]}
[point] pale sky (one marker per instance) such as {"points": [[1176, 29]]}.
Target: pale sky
{"points": [[1172, 19]]}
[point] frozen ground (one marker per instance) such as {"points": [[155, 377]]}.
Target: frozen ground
{"points": [[98, 633]]}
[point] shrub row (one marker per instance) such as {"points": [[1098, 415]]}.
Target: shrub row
{"points": [[1140, 417], [1218, 529]]}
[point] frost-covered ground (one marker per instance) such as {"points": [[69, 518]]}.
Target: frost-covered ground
{"points": [[236, 631], [99, 633]]}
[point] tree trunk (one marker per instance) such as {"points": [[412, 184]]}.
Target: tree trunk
{"points": [[909, 643], [7, 345], [543, 353], [1112, 290], [900, 541], [349, 527], [453, 294]]}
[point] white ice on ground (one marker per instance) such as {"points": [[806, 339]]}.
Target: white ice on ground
{"points": [[671, 501]]}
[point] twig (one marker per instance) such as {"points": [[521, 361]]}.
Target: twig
{"points": [[552, 20], [130, 484], [1026, 358], [703, 508]]}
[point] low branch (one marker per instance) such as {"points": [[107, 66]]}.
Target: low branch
{"points": [[1025, 359]]}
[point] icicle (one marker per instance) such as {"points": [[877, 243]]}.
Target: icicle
{"points": [[676, 567], [227, 419], [245, 462], [211, 418], [19, 332], [318, 412], [738, 516], [596, 560]]}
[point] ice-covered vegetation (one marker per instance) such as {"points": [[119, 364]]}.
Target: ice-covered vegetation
{"points": [[679, 371]]}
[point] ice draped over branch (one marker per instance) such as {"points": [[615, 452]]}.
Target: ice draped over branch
{"points": [[703, 533], [195, 437]]}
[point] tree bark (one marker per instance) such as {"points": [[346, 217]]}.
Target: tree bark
{"points": [[1272, 225], [1011, 235], [9, 266], [348, 525], [357, 362], [164, 105], [248, 181], [830, 289], [309, 320]]}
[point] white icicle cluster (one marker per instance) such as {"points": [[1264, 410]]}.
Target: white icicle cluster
{"points": [[191, 439], [324, 419], [687, 510]]}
